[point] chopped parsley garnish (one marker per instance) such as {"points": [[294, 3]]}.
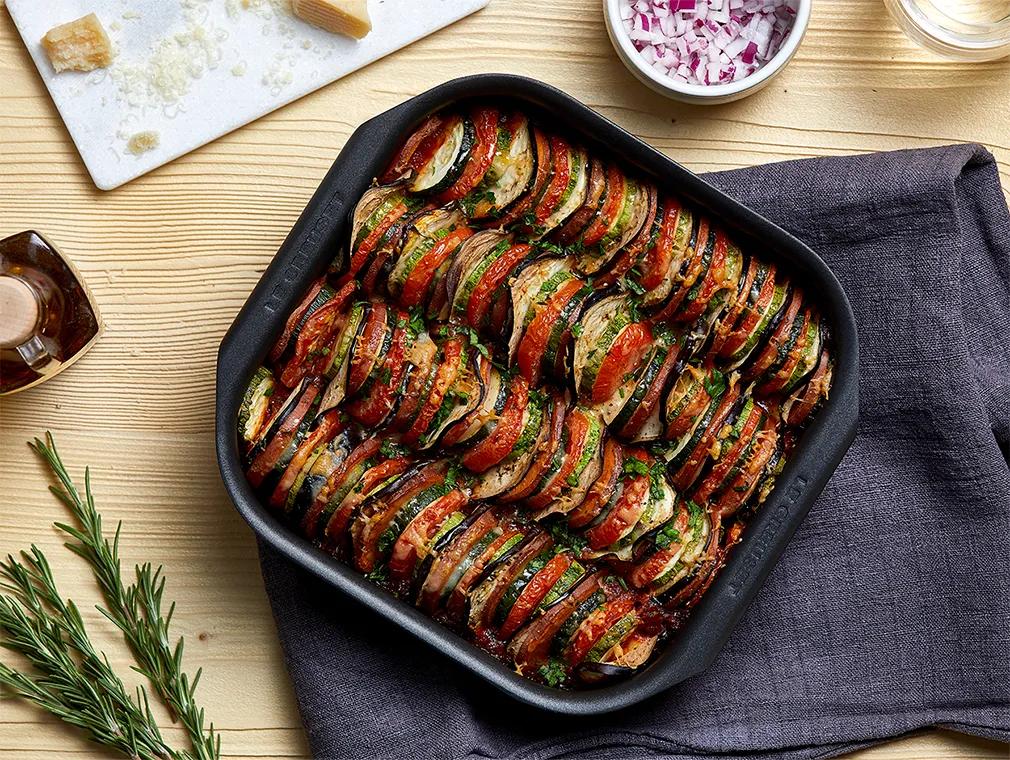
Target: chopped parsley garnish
{"points": [[416, 325], [553, 672], [715, 384], [390, 449], [378, 575], [632, 286], [634, 466], [668, 535], [504, 138]]}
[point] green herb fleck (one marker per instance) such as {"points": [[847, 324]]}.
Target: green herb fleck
{"points": [[553, 672], [715, 383]]}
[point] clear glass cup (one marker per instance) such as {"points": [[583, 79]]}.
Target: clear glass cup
{"points": [[963, 30]]}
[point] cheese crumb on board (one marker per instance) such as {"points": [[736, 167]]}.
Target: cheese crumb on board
{"points": [[80, 45], [142, 142], [348, 17]]}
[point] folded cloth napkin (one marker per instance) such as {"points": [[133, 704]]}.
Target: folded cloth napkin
{"points": [[890, 610]]}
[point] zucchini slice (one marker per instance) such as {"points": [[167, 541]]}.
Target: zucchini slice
{"points": [[481, 154], [510, 470], [574, 193], [610, 348], [531, 287], [455, 141], [472, 262], [626, 225], [252, 413], [511, 171], [271, 455], [564, 489], [425, 232]]}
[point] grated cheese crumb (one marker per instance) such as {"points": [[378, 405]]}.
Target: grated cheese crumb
{"points": [[143, 142]]}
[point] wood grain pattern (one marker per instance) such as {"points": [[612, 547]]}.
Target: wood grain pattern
{"points": [[172, 256]]}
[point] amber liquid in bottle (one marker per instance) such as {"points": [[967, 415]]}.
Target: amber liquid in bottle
{"points": [[47, 316]]}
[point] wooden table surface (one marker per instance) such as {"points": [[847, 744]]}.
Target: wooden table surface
{"points": [[172, 256]]}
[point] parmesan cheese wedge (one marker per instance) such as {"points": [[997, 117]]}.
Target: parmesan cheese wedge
{"points": [[348, 17], [80, 45]]}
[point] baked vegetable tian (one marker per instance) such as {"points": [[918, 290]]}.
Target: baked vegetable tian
{"points": [[536, 397]]}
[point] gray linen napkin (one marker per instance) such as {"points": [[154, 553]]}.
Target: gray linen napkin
{"points": [[890, 610]]}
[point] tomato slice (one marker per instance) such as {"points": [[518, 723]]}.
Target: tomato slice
{"points": [[781, 376], [724, 328], [499, 443], [744, 485], [445, 376], [617, 186], [602, 488], [694, 271], [624, 356], [372, 409], [418, 282], [626, 512], [433, 589], [336, 530], [295, 319], [659, 258], [722, 468], [417, 150], [327, 426], [651, 568], [382, 510], [696, 458], [561, 169], [533, 593], [456, 605], [538, 468], [652, 396], [485, 122], [577, 425], [310, 356], [361, 254], [713, 279], [751, 318], [534, 341], [419, 532], [366, 348], [480, 299], [504, 575], [596, 625], [266, 459], [779, 336], [531, 646]]}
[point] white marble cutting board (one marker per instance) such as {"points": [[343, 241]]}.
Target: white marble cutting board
{"points": [[241, 60]]}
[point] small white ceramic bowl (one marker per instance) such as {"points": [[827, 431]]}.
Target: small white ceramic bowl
{"points": [[702, 94]]}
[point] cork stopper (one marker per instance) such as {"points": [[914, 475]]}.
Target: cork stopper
{"points": [[19, 311]]}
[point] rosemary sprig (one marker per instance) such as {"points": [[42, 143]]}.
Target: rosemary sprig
{"points": [[76, 684], [50, 633]]}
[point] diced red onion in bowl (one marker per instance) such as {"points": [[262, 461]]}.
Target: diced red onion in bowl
{"points": [[707, 41]]}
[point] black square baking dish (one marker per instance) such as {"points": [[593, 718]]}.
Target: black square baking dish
{"points": [[324, 226]]}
